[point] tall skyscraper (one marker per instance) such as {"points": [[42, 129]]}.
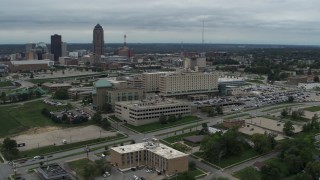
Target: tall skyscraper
{"points": [[56, 44], [98, 40], [30, 46], [64, 50]]}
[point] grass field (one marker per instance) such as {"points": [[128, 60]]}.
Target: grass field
{"points": [[17, 118], [313, 108], [192, 173], [227, 161], [5, 84], [158, 126], [179, 137], [279, 107], [78, 165], [248, 173], [236, 116]]}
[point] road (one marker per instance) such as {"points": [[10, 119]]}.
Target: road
{"points": [[5, 169]]}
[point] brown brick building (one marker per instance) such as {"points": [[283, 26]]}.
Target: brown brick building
{"points": [[153, 155]]}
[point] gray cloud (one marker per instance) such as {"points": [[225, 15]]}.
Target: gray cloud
{"points": [[226, 21]]}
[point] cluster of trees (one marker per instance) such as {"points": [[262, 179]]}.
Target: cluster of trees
{"points": [[298, 157], [232, 143], [19, 96], [61, 94], [64, 119], [107, 108], [87, 100], [213, 111], [294, 115], [99, 167], [9, 149], [172, 118], [264, 142], [102, 122], [288, 128], [313, 125], [218, 145]]}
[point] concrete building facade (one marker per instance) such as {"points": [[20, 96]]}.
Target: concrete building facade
{"points": [[151, 154], [188, 83], [111, 91], [148, 111]]}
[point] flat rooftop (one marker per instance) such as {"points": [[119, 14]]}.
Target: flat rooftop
{"points": [[150, 103], [159, 149], [56, 84]]}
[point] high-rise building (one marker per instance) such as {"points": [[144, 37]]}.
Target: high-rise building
{"points": [[64, 51], [56, 44], [98, 40], [30, 46]]}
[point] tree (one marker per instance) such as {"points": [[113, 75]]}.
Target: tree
{"points": [[172, 118], [294, 163], [219, 110], [64, 118], [284, 113], [133, 141], [96, 117], [313, 169], [192, 165], [316, 79], [163, 119], [290, 99], [205, 127], [88, 171], [9, 144], [61, 94], [3, 97], [31, 76], [288, 128], [262, 143], [303, 176], [269, 172], [105, 124], [107, 108]]}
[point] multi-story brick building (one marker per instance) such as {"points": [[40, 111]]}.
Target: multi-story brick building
{"points": [[151, 154]]}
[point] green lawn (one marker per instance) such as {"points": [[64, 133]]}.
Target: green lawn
{"points": [[17, 118], [179, 137], [52, 148], [181, 147], [279, 107], [78, 165], [236, 116], [193, 173], [5, 83], [113, 117], [227, 161], [158, 126], [248, 173], [313, 108]]}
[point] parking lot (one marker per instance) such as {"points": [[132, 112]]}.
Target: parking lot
{"points": [[143, 173]]}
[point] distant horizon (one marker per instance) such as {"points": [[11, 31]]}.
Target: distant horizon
{"points": [[184, 43]]}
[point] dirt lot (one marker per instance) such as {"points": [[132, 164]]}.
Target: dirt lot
{"points": [[254, 129], [53, 135], [271, 124]]}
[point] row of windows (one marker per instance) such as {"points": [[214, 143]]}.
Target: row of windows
{"points": [[157, 109], [154, 117], [159, 112]]}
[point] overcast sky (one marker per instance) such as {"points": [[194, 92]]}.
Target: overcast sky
{"points": [[172, 21]]}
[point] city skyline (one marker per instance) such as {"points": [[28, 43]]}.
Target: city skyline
{"points": [[292, 22]]}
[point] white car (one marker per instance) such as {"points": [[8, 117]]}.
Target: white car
{"points": [[36, 157], [106, 174]]}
